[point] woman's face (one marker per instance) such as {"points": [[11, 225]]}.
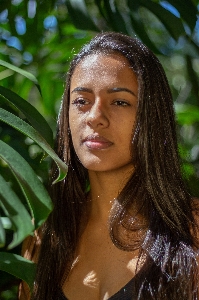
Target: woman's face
{"points": [[103, 105]]}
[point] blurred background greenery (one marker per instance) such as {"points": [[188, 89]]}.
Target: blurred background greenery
{"points": [[41, 36]]}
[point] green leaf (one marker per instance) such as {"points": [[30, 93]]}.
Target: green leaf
{"points": [[116, 20], [78, 12], [140, 30], [22, 72], [34, 191], [188, 11], [14, 209], [18, 267], [33, 116], [98, 3], [7, 224], [133, 5], [6, 73], [186, 114], [28, 130], [172, 23], [2, 234]]}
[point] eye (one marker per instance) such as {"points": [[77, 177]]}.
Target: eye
{"points": [[121, 103], [80, 102]]}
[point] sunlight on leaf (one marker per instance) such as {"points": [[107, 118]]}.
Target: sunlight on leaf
{"points": [[37, 197], [22, 72], [33, 116], [18, 267], [28, 130], [2, 234], [15, 210]]}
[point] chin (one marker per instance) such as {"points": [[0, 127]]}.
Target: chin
{"points": [[103, 167], [97, 167], [105, 163]]}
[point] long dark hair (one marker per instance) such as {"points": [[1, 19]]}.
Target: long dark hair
{"points": [[156, 189]]}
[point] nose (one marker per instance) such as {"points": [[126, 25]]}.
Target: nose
{"points": [[97, 116]]}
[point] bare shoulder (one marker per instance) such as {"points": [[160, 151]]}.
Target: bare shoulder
{"points": [[30, 250]]}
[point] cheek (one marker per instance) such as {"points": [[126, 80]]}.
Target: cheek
{"points": [[76, 125], [125, 129], [76, 118], [72, 125], [73, 120]]}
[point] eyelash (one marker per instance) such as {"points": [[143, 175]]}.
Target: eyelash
{"points": [[80, 101], [121, 103]]}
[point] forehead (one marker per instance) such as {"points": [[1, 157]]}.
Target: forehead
{"points": [[102, 68], [97, 60]]}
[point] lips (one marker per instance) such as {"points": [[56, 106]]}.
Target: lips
{"points": [[97, 142]]}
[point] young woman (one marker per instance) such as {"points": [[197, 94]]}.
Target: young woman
{"points": [[123, 224]]}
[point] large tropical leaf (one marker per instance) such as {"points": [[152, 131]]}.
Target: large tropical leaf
{"points": [[6, 223], [37, 197], [22, 72], [188, 11], [29, 131], [15, 210], [2, 234], [165, 16], [33, 116], [141, 31], [115, 18], [18, 266], [79, 14], [99, 5], [167, 19]]}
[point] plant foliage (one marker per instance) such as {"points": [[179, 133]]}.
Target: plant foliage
{"points": [[23, 221], [37, 40]]}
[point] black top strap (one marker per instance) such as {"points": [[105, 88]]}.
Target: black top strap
{"points": [[125, 293]]}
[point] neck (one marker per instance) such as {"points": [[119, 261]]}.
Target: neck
{"points": [[105, 187]]}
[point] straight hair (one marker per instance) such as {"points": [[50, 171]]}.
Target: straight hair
{"points": [[156, 188]]}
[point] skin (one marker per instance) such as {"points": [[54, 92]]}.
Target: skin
{"points": [[100, 269], [102, 113], [103, 105]]}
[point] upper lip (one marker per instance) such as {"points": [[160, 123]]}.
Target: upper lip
{"points": [[96, 138]]}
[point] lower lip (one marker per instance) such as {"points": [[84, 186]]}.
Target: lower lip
{"points": [[97, 145]]}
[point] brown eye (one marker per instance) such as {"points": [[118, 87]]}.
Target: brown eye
{"points": [[80, 101], [121, 103]]}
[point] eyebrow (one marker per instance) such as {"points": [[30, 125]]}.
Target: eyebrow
{"points": [[82, 89], [118, 89], [109, 91]]}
